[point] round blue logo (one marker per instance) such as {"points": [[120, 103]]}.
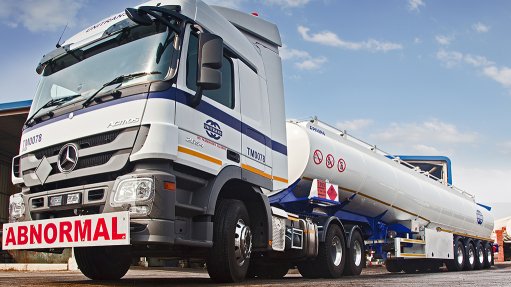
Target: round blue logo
{"points": [[479, 217], [213, 129]]}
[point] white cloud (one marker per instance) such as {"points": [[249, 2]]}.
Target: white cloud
{"points": [[414, 5], [487, 184], [49, 15], [331, 39], [305, 60], [417, 40], [443, 40], [311, 64], [288, 3], [480, 27], [354, 125], [288, 54], [501, 75], [426, 138]]}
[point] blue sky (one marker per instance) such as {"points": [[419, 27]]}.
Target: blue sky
{"points": [[411, 76]]}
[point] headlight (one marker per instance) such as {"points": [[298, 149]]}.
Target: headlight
{"points": [[16, 207], [134, 190]]}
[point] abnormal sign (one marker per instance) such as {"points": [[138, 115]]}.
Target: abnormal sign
{"points": [[89, 230]]}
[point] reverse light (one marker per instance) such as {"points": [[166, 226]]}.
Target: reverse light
{"points": [[16, 207]]}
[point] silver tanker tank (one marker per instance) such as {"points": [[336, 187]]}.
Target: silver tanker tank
{"points": [[317, 151]]}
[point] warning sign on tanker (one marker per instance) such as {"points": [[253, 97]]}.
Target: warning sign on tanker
{"points": [[332, 193], [318, 157], [341, 165], [330, 161]]}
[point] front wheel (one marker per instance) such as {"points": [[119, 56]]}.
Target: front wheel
{"points": [[332, 253], [103, 262], [229, 257]]}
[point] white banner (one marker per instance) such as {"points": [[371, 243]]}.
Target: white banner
{"points": [[88, 230]]}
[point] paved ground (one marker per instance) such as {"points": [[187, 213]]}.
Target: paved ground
{"points": [[499, 275]]}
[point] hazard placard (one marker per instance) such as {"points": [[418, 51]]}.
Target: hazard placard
{"points": [[318, 157], [321, 189]]}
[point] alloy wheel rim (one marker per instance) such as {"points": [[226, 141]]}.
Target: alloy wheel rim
{"points": [[336, 251], [242, 242]]}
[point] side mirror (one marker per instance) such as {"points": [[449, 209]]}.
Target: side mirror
{"points": [[209, 74], [138, 16]]}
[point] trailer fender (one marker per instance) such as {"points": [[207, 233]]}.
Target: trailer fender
{"points": [[350, 235], [323, 224]]}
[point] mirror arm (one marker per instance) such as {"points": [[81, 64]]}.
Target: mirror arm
{"points": [[195, 100]]}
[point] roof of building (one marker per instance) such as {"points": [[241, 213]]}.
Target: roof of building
{"points": [[15, 105]]}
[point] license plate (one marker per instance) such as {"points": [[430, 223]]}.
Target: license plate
{"points": [[88, 230]]}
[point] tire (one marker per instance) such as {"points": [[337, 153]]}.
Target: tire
{"points": [[229, 257], [479, 262], [470, 255], [104, 262], [355, 255], [410, 266], [309, 269], [458, 262], [488, 255], [265, 270], [332, 253], [393, 265]]}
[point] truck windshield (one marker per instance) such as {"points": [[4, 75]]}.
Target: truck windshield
{"points": [[81, 72]]}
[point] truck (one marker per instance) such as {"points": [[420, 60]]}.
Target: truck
{"points": [[160, 131]]}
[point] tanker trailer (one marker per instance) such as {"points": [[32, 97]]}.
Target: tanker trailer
{"points": [[413, 219]]}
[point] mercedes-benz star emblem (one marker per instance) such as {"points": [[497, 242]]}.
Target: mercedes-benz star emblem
{"points": [[68, 158]]}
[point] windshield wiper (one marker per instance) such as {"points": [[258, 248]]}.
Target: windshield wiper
{"points": [[50, 103], [118, 80]]}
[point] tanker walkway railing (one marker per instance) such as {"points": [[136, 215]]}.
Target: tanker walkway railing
{"points": [[344, 134]]}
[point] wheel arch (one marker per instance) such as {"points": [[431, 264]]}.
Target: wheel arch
{"points": [[324, 223]]}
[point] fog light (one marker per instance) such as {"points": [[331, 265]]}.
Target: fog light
{"points": [[55, 201], [16, 207], [134, 190], [73, 198], [142, 210]]}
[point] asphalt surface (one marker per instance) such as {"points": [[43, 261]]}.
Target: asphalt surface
{"points": [[499, 275]]}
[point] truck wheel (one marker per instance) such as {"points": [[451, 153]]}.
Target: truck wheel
{"points": [[332, 253], [393, 265], [458, 262], [470, 257], [229, 257], [355, 255], [479, 263], [410, 266], [309, 269], [104, 262]]}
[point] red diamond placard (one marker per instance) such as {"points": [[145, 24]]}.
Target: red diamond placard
{"points": [[332, 193]]}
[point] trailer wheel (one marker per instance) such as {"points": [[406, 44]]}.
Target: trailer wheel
{"points": [[355, 255], [488, 255], [458, 262], [332, 253], [470, 256], [103, 262], [410, 266], [393, 265], [229, 257], [479, 263]]}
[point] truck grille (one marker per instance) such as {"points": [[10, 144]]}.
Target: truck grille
{"points": [[85, 142], [89, 161]]}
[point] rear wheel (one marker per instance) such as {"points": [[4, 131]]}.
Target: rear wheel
{"points": [[309, 269], [470, 256], [104, 262], [488, 255], [229, 257], [266, 270], [479, 263], [458, 262], [355, 256]]}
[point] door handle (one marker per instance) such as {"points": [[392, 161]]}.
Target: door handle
{"points": [[233, 156]]}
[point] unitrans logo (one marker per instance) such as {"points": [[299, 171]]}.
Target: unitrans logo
{"points": [[213, 129], [479, 217]]}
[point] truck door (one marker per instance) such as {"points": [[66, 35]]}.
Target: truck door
{"points": [[256, 160], [209, 134]]}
